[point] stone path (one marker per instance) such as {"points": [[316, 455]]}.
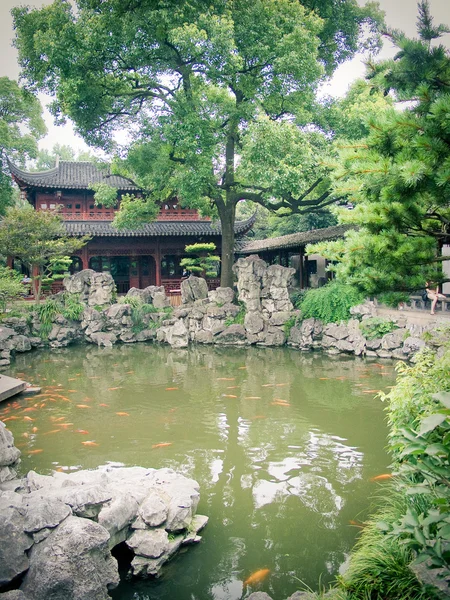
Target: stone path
{"points": [[10, 387]]}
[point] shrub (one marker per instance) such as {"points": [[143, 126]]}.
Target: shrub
{"points": [[330, 303], [376, 327], [393, 299], [72, 307], [239, 318], [11, 286]]}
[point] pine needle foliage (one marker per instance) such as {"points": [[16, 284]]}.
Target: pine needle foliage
{"points": [[398, 178]]}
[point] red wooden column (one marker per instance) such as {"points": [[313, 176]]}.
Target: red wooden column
{"points": [[158, 263], [85, 257]]}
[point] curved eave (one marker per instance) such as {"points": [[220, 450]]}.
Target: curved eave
{"points": [[155, 229], [67, 175], [295, 240]]}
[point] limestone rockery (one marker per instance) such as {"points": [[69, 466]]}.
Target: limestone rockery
{"points": [[58, 533]]}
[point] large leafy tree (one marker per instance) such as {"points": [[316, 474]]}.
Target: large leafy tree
{"points": [[399, 178], [46, 159], [21, 126], [198, 85], [36, 238]]}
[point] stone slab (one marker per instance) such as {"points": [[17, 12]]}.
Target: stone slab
{"points": [[9, 386]]}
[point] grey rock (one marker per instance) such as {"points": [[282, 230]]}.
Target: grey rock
{"points": [[384, 353], [73, 562], [117, 515], [104, 339], [44, 513], [232, 335], [339, 332], [149, 543], [6, 333], [21, 343], [253, 322], [345, 346], [192, 289], [393, 340], [9, 454], [14, 595], [221, 295], [373, 344], [203, 337], [259, 596], [160, 300], [144, 295], [13, 545], [412, 345], [153, 510]]}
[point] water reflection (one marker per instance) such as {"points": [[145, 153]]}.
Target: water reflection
{"points": [[282, 443]]}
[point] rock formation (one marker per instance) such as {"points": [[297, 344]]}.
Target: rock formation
{"points": [[57, 532]]}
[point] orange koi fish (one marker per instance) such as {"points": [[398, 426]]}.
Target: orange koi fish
{"points": [[323, 378], [382, 477], [252, 398], [38, 451], [232, 387], [90, 443], [370, 391], [25, 435], [103, 404], [171, 389], [226, 378], [83, 431], [278, 403], [243, 367], [82, 406], [356, 524], [28, 419], [268, 385], [72, 379], [13, 418], [123, 414], [280, 384], [115, 388], [35, 430], [59, 419], [162, 445], [65, 425], [228, 396], [70, 391], [129, 372], [257, 577], [29, 409], [94, 377]]}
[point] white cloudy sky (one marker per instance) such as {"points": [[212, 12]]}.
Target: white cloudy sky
{"points": [[400, 14]]}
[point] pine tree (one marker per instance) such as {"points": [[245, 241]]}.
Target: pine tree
{"points": [[398, 178]]}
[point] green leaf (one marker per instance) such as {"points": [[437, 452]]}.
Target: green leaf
{"points": [[419, 536], [443, 397], [431, 422]]}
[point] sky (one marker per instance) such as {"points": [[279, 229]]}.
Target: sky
{"points": [[400, 14]]}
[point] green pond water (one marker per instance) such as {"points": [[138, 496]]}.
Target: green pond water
{"points": [[283, 444]]}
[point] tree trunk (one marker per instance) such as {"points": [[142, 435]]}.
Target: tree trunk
{"points": [[227, 212]]}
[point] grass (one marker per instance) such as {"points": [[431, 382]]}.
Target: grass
{"points": [[379, 566]]}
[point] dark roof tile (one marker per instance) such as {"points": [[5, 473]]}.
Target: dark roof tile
{"points": [[295, 240], [157, 228], [72, 175]]}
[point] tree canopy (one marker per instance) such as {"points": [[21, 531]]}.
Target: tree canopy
{"points": [[21, 126], [199, 86], [36, 238], [398, 178], [46, 159]]}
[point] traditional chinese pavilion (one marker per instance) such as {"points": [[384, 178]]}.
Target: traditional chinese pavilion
{"points": [[140, 257]]}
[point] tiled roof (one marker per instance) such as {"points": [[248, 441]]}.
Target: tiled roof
{"points": [[71, 175], [295, 240], [157, 228]]}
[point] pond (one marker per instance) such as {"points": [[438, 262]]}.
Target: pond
{"points": [[284, 445]]}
